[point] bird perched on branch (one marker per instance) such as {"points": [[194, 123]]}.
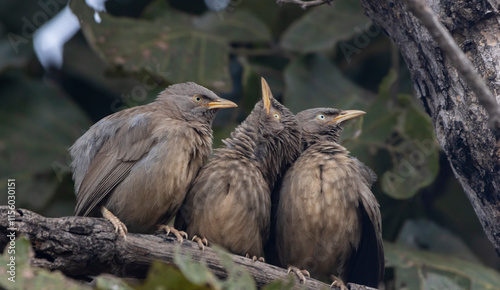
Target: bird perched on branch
{"points": [[229, 202], [328, 221], [134, 167]]}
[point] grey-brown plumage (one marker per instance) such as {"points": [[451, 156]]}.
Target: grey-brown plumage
{"points": [[229, 203], [328, 221], [139, 163]]}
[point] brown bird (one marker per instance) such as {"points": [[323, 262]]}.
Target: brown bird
{"points": [[134, 167], [328, 221], [230, 200]]}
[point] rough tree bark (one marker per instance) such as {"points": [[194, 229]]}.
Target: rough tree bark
{"points": [[461, 123], [82, 246]]}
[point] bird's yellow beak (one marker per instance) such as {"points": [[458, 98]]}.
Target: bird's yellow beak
{"points": [[347, 115], [221, 104], [266, 94]]}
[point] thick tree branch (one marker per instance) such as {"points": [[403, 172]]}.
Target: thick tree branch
{"points": [[81, 246], [305, 4], [464, 67], [460, 121]]}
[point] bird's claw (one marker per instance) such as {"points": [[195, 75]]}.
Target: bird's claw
{"points": [[337, 282], [179, 234], [255, 258], [202, 242], [301, 274], [120, 227]]}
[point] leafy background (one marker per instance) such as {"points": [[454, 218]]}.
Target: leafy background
{"points": [[330, 56]]}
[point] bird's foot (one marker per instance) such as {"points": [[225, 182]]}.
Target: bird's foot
{"points": [[255, 258], [301, 274], [179, 234], [202, 242], [337, 282], [117, 223]]}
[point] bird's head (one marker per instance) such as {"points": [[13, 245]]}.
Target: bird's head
{"points": [[324, 123], [278, 133], [272, 117], [193, 102]]}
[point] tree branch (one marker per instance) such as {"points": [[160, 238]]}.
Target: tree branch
{"points": [[82, 246], [306, 4], [458, 59]]}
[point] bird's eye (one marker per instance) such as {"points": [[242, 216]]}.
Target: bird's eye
{"points": [[321, 117], [197, 98], [276, 116]]}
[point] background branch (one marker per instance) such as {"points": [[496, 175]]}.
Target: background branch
{"points": [[305, 4], [82, 246]]}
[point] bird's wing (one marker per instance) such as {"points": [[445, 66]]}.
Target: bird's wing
{"points": [[270, 250], [183, 216], [365, 171], [228, 199], [205, 184], [86, 147], [370, 250], [113, 162], [299, 216]]}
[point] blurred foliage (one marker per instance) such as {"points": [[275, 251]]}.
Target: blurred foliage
{"points": [[321, 29], [330, 56], [427, 270], [38, 138], [170, 44], [405, 132], [24, 276], [162, 276], [446, 263], [425, 234]]}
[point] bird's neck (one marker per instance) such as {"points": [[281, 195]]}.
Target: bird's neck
{"points": [[327, 147], [247, 142], [329, 137], [169, 109], [268, 157]]}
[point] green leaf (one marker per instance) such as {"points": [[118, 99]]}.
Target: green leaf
{"points": [[162, 276], [425, 270], [238, 26], [425, 234], [174, 53], [252, 73], [323, 26], [235, 26], [276, 17], [287, 284], [175, 46], [313, 81], [401, 128], [415, 156], [159, 10], [237, 277], [107, 281], [27, 277], [252, 87], [197, 273], [381, 118], [15, 50], [37, 127]]}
